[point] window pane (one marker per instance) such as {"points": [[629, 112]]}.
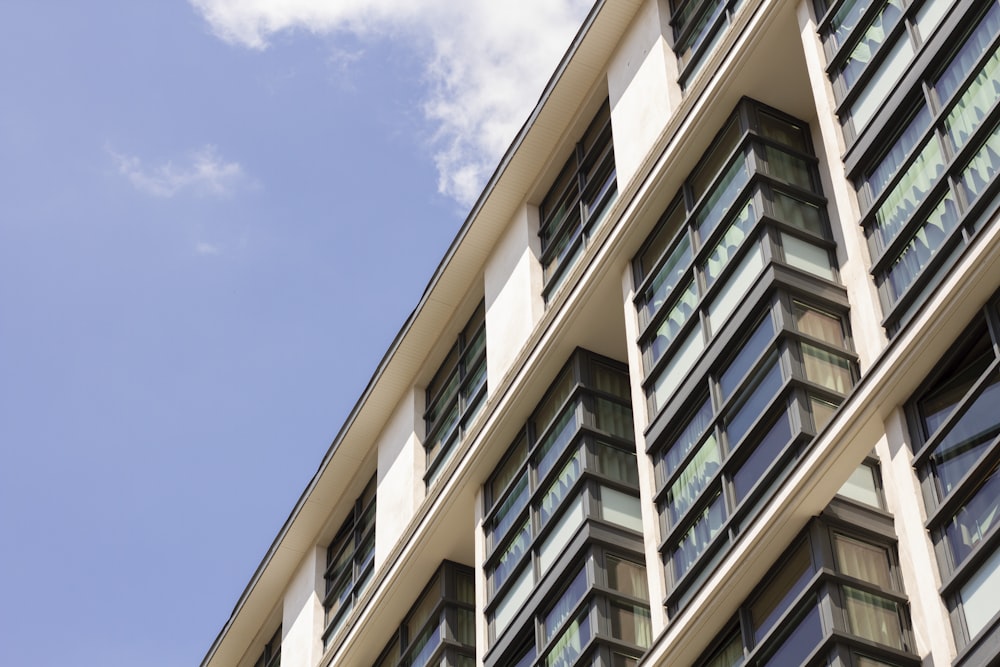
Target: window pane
{"points": [[507, 470], [631, 623], [621, 508], [737, 284], [910, 190], [956, 379], [782, 131], [862, 560], [509, 511], [730, 242], [515, 597], [698, 537], [731, 653], [753, 401], [881, 83], [626, 577], [511, 556], [693, 479], [879, 176], [750, 351], [668, 276], [830, 370], [860, 486], [967, 438], [569, 646], [665, 234], [869, 44], [805, 216], [617, 464], [923, 245], [813, 322], [613, 418], [980, 601], [774, 600], [711, 163], [722, 197], [800, 642], [822, 412], [807, 256], [675, 371], [560, 536], [678, 315], [764, 454], [975, 519], [556, 440], [688, 438], [556, 616], [873, 617], [787, 168], [559, 488]]}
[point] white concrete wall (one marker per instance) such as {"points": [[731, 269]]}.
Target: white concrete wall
{"points": [[302, 613], [513, 289], [642, 86], [921, 578], [400, 473]]}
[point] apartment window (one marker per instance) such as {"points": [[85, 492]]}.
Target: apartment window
{"points": [[834, 597], [928, 184], [440, 627], [571, 470], [698, 26], [578, 201], [754, 199], [349, 562], [869, 45], [456, 393], [271, 655], [596, 613], [954, 416], [727, 450]]}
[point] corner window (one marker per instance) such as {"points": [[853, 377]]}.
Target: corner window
{"points": [[577, 202], [456, 393], [349, 562]]}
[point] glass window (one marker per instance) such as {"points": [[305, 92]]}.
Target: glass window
{"points": [[787, 168], [735, 288], [754, 399], [729, 243], [560, 536], [818, 324], [560, 488], [617, 464], [873, 617], [878, 87], [861, 487], [621, 508], [667, 277], [803, 215], [822, 412], [807, 256], [722, 196], [631, 623], [828, 369], [678, 315], [862, 560], [974, 520], [626, 577], [764, 454], [677, 369], [980, 601], [569, 646], [970, 359], [695, 477], [513, 599], [688, 438], [782, 131], [730, 654], [871, 40], [800, 642], [751, 350], [699, 536], [562, 609], [666, 232], [786, 584]]}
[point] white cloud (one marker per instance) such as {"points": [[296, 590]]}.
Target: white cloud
{"points": [[204, 173], [203, 248], [486, 61]]}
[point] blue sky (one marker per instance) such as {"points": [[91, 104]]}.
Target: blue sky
{"points": [[215, 217]]}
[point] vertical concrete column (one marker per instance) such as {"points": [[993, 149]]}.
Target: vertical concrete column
{"points": [[513, 291], [647, 481], [642, 87], [852, 249], [482, 627], [921, 577], [302, 613], [400, 473]]}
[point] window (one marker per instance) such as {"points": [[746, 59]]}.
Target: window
{"points": [[830, 593], [598, 610], [578, 201], [569, 477], [926, 184], [440, 627], [954, 416], [753, 199], [349, 561], [271, 655], [456, 393], [869, 45], [698, 26], [720, 456]]}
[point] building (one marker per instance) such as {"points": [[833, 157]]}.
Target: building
{"points": [[710, 376]]}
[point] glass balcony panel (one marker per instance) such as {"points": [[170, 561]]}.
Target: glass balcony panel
{"points": [[929, 15], [887, 167], [613, 418], [784, 587], [983, 167], [508, 513], [788, 168], [799, 643], [513, 600], [512, 556], [556, 541], [667, 277], [556, 617], [860, 486], [797, 213], [975, 103], [964, 60], [621, 509], [570, 645], [757, 395], [618, 464], [559, 488]]}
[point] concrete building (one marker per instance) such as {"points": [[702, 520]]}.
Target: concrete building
{"points": [[710, 375]]}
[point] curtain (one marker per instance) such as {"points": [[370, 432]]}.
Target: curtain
{"points": [[617, 464], [983, 166], [909, 191], [976, 101], [693, 480], [870, 42], [965, 59], [925, 242], [863, 561], [671, 325]]}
